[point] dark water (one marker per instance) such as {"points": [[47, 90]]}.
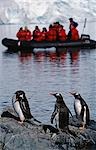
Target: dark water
{"points": [[44, 72]]}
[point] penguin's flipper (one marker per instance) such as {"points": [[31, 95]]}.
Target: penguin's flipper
{"points": [[26, 110], [7, 114], [51, 128]]}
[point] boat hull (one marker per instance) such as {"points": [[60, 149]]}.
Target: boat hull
{"points": [[15, 45]]}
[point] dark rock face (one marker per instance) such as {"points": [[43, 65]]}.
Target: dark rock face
{"points": [[31, 136]]}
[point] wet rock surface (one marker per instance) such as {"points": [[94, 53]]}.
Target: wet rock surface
{"points": [[31, 136]]}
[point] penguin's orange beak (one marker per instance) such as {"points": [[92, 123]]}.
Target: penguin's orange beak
{"points": [[52, 93]]}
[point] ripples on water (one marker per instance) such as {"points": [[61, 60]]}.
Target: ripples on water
{"points": [[43, 72]]}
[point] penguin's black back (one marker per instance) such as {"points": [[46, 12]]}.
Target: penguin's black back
{"points": [[63, 117], [25, 108], [83, 103], [63, 114]]}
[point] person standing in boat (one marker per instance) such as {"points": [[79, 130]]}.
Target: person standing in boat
{"points": [[74, 33], [73, 23]]}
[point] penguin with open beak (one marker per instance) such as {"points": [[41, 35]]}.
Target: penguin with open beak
{"points": [[21, 106], [81, 109], [60, 113]]}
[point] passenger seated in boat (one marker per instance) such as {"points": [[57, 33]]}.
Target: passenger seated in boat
{"points": [[51, 34], [28, 34], [74, 33], [37, 34], [75, 24], [20, 34], [44, 34], [61, 33], [56, 26]]}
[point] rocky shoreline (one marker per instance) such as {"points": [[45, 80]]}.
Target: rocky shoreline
{"points": [[31, 136]]}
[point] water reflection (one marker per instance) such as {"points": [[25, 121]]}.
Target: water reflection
{"points": [[74, 55], [46, 70], [52, 56], [24, 57]]}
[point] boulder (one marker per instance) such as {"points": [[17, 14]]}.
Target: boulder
{"points": [[31, 136]]}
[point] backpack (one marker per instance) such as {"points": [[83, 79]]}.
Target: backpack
{"points": [[75, 24]]}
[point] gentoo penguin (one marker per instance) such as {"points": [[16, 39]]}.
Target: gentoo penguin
{"points": [[60, 113], [21, 106], [81, 109], [51, 128]]}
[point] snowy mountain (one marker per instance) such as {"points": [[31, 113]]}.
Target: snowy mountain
{"points": [[45, 11]]}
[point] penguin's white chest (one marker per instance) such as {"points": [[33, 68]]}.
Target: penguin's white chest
{"points": [[57, 120], [78, 106], [19, 111]]}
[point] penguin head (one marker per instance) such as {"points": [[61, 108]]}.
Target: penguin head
{"points": [[58, 96], [20, 95], [76, 95]]}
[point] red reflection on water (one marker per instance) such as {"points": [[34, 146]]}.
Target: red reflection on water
{"points": [[52, 56], [74, 55], [23, 57], [39, 56]]}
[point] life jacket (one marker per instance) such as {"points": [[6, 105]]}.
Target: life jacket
{"points": [[43, 35], [21, 35], [28, 35], [56, 27], [37, 35], [62, 35], [51, 34], [74, 34]]}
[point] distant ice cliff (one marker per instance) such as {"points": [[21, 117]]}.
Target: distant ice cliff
{"points": [[45, 11]]}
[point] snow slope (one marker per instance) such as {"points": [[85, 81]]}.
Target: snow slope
{"points": [[45, 11]]}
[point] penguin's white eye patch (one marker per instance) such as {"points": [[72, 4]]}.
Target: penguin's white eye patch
{"points": [[21, 95], [57, 94], [77, 94]]}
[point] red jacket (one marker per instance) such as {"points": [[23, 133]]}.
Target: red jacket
{"points": [[62, 35], [75, 34], [51, 35], [28, 35], [24, 35], [21, 35], [43, 34], [37, 35]]}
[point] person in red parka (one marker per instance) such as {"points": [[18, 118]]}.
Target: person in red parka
{"points": [[37, 35], [27, 34], [56, 26], [61, 33], [74, 33], [44, 34], [51, 34], [73, 23], [24, 34], [20, 34]]}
